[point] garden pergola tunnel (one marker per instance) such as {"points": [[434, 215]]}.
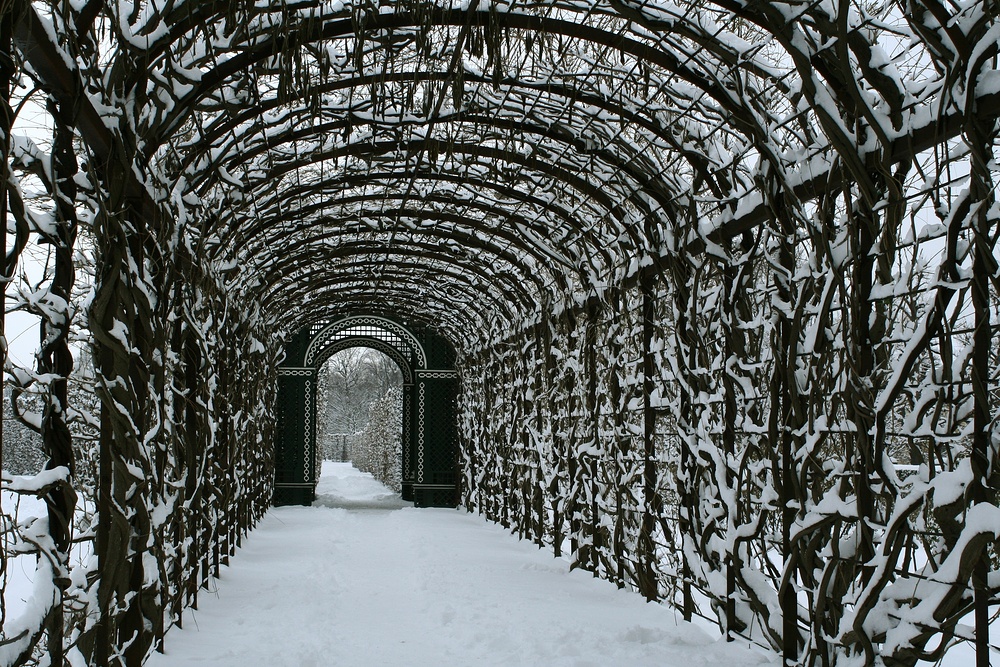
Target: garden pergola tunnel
{"points": [[708, 292]]}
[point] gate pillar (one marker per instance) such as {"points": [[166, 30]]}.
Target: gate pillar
{"points": [[435, 456], [295, 471], [409, 457]]}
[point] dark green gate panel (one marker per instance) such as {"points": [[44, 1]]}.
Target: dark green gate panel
{"points": [[295, 444], [409, 458], [437, 439]]}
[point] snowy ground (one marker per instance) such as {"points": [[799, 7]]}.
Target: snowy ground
{"points": [[363, 579]]}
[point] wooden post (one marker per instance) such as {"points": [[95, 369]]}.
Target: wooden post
{"points": [[648, 584], [779, 424], [984, 268]]}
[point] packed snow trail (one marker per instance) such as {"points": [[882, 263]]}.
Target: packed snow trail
{"points": [[363, 579]]}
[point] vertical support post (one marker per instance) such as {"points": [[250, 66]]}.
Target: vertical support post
{"points": [[779, 423], [732, 287], [179, 389], [620, 444], [983, 193], [685, 519], [574, 415], [544, 389], [594, 414], [55, 358], [558, 391], [861, 452], [648, 584], [192, 451]]}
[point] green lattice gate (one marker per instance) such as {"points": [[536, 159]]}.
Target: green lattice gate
{"points": [[429, 437], [435, 466]]}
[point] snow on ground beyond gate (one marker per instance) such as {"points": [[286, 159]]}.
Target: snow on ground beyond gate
{"points": [[363, 579]]}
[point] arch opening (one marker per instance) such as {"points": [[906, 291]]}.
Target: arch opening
{"points": [[360, 412]]}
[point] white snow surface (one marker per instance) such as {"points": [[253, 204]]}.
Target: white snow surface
{"points": [[364, 579]]}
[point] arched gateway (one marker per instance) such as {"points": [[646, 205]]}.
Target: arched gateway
{"points": [[430, 385]]}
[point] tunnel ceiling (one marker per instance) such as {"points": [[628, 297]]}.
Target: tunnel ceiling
{"points": [[470, 164]]}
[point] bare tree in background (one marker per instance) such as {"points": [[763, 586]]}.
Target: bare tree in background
{"points": [[350, 382]]}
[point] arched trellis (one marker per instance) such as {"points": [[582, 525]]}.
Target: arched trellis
{"points": [[429, 437], [707, 216]]}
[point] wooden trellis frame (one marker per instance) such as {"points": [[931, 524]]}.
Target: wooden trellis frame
{"points": [[664, 239]]}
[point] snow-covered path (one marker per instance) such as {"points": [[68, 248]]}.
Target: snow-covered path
{"points": [[362, 579]]}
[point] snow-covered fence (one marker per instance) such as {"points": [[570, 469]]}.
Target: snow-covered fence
{"points": [[186, 447], [729, 454], [790, 436], [159, 452]]}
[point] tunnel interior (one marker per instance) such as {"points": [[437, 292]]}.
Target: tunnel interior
{"points": [[702, 296]]}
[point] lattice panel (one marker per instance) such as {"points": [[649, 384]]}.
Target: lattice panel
{"points": [[407, 434], [295, 422], [437, 423], [398, 356], [280, 440], [324, 335], [286, 408]]}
